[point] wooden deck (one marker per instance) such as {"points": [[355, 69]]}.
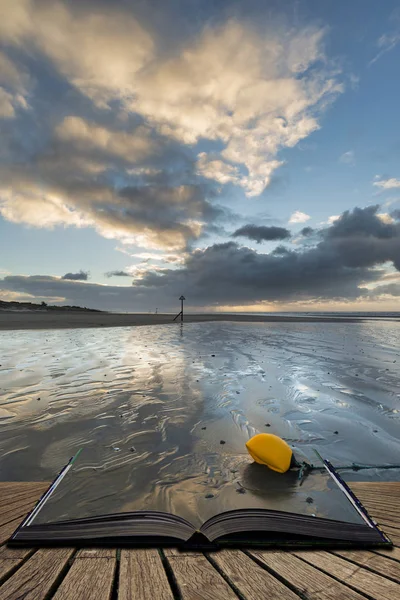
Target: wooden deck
{"points": [[70, 574]]}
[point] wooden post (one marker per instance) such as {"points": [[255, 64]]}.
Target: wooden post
{"points": [[182, 298]]}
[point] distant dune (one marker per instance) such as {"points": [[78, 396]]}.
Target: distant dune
{"points": [[43, 307]]}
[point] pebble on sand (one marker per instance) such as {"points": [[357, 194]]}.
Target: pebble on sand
{"points": [[222, 442]]}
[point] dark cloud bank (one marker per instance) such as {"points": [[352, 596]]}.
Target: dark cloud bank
{"points": [[347, 256]]}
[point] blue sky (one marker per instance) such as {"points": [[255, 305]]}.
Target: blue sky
{"points": [[138, 137]]}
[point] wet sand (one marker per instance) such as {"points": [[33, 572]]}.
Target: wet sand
{"points": [[71, 320], [173, 393]]}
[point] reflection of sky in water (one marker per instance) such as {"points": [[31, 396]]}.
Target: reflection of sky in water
{"points": [[151, 404]]}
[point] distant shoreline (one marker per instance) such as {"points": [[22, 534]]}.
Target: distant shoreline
{"points": [[16, 320]]}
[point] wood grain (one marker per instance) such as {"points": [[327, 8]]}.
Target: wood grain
{"points": [[393, 533], [8, 529], [383, 566], [88, 579], [142, 576], [37, 576], [198, 580], [311, 582], [97, 553], [8, 501], [251, 580], [375, 586], [393, 553], [18, 509], [11, 558]]}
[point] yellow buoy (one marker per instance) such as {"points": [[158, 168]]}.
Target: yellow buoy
{"points": [[270, 450]]}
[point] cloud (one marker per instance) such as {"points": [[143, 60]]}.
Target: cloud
{"points": [[351, 254], [14, 82], [345, 259], [387, 184], [87, 136], [391, 289], [260, 233], [299, 217], [389, 40], [307, 231], [117, 274], [347, 158], [252, 91], [99, 51], [80, 276], [153, 216]]}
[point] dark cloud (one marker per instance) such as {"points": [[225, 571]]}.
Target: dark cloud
{"points": [[261, 233], [360, 238], [307, 231], [396, 214], [117, 274], [81, 276], [346, 258], [279, 250]]}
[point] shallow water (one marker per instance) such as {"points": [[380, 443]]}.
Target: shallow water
{"points": [[148, 401]]}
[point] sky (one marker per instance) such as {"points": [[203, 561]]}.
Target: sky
{"points": [[244, 154]]}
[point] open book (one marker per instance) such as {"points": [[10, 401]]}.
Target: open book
{"points": [[265, 515]]}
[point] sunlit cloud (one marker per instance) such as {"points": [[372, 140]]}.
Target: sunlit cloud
{"points": [[299, 217], [387, 184], [254, 91]]}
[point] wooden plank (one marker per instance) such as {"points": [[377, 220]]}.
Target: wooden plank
{"points": [[383, 521], [19, 509], [6, 552], [198, 580], [376, 485], [176, 552], [6, 501], [393, 533], [8, 529], [88, 579], [383, 566], [249, 578], [375, 508], [378, 496], [311, 582], [13, 486], [97, 553], [7, 565], [10, 558], [142, 576], [390, 502], [393, 553], [37, 576], [374, 585]]}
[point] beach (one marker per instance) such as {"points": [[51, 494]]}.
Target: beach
{"points": [[16, 320]]}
